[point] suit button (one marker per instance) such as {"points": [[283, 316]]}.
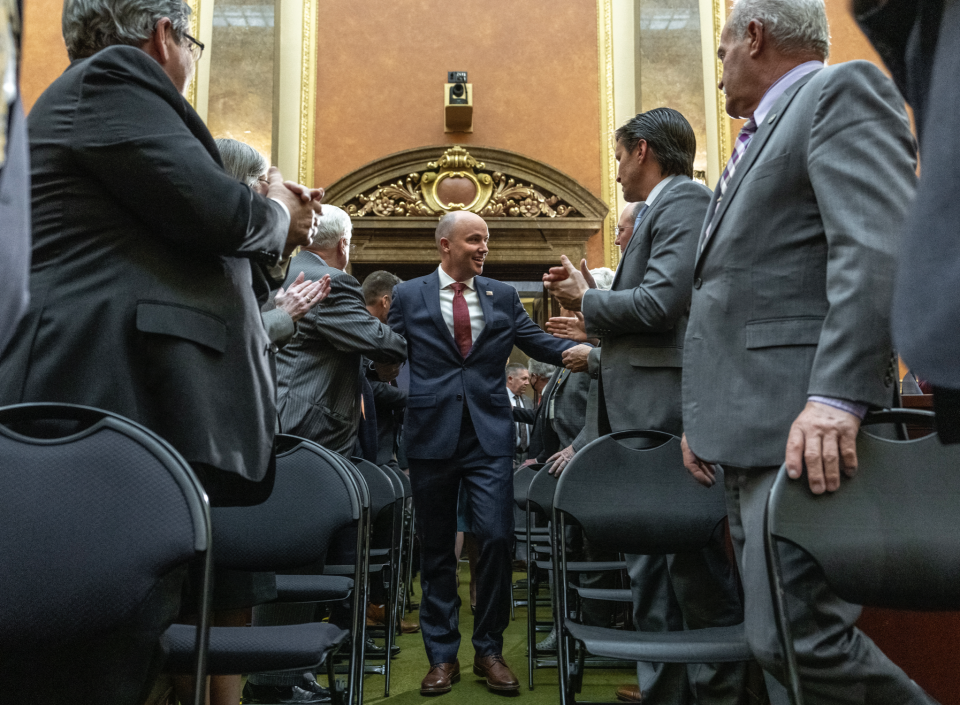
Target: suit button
{"points": [[697, 283], [459, 397]]}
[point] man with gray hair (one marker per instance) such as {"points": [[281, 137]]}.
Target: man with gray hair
{"points": [[141, 290], [318, 371], [788, 342]]}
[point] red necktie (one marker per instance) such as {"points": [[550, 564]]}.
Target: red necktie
{"points": [[462, 333]]}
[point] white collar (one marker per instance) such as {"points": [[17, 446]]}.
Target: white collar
{"points": [[446, 280], [780, 87], [657, 190]]}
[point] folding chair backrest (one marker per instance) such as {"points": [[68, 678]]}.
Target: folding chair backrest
{"points": [[94, 510], [540, 493], [383, 494], [312, 498], [630, 492], [406, 489], [890, 536], [521, 483]]}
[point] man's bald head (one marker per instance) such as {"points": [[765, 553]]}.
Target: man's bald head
{"points": [[447, 227], [462, 242]]}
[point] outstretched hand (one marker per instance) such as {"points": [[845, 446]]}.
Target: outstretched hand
{"points": [[572, 328], [567, 284]]}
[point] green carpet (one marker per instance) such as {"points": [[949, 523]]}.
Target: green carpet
{"points": [[411, 666]]}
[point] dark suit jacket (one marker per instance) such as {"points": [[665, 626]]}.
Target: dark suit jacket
{"points": [[641, 321], [390, 402], [920, 42], [318, 371], [14, 224], [141, 290], [442, 381]]}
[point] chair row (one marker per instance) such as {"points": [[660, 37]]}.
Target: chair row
{"points": [[109, 484], [887, 538]]}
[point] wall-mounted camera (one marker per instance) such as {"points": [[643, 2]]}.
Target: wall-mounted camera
{"points": [[457, 103]]}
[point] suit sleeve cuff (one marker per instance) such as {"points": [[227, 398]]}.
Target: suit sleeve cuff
{"points": [[851, 407]]}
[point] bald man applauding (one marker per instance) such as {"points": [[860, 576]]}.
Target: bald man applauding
{"points": [[460, 329]]}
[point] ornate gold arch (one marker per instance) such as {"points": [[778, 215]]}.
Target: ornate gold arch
{"points": [[535, 212]]}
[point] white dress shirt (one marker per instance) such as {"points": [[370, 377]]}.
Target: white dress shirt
{"points": [[780, 87], [473, 303], [657, 190]]}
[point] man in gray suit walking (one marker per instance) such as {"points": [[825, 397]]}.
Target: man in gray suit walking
{"points": [[318, 372], [788, 342], [641, 322]]}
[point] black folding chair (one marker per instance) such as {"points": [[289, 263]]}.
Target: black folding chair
{"points": [[630, 493], [386, 494], [96, 512], [312, 499], [406, 539], [889, 537]]}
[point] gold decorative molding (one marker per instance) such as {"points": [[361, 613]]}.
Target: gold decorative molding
{"points": [[608, 163], [308, 92], [494, 193], [723, 121], [191, 93], [535, 213]]}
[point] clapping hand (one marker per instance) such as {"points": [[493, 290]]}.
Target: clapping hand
{"points": [[302, 295], [572, 328], [303, 205], [576, 358]]}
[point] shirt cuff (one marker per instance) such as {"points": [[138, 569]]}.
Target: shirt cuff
{"points": [[851, 407], [282, 205]]}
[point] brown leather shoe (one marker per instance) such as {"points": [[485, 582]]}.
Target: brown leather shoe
{"points": [[496, 671], [375, 618], [440, 678], [629, 694]]}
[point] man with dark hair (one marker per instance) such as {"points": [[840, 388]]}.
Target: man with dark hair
{"points": [[641, 323]]}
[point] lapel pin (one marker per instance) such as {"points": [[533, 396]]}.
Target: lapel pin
{"points": [[489, 293], [772, 118]]}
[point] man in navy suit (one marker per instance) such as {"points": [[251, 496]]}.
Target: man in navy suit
{"points": [[460, 330]]}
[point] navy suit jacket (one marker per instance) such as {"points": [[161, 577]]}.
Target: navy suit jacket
{"points": [[442, 381]]}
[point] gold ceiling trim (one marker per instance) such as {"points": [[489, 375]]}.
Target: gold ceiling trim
{"points": [[608, 163], [723, 121], [308, 92], [496, 194], [191, 92]]}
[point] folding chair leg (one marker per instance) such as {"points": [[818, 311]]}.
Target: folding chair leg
{"points": [[388, 633], [581, 663], [531, 610], [781, 614], [335, 696]]}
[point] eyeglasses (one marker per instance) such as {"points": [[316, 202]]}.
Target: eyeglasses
{"points": [[196, 47]]}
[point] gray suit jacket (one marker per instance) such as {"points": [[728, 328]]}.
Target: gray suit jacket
{"points": [[318, 371], [641, 321], [792, 291]]}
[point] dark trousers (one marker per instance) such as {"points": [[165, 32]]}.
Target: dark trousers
{"points": [[488, 482]]}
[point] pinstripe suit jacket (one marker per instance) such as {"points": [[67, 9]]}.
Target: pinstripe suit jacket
{"points": [[318, 371]]}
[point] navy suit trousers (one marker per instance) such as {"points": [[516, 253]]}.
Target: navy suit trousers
{"points": [[488, 483]]}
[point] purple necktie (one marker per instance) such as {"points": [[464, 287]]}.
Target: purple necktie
{"points": [[462, 333], [739, 149]]}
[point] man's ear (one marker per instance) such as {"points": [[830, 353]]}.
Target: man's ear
{"points": [[444, 244], [157, 45], [758, 39], [643, 151], [385, 301]]}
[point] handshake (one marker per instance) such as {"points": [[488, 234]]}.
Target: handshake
{"points": [[569, 285]]}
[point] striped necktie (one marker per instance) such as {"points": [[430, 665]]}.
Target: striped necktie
{"points": [[739, 149]]}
